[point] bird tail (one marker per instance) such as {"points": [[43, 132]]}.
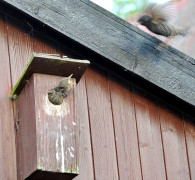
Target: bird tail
{"points": [[179, 31]]}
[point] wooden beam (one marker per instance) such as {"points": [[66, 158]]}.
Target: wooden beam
{"points": [[115, 39], [50, 64]]}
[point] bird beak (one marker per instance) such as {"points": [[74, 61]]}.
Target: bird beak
{"points": [[70, 82]]}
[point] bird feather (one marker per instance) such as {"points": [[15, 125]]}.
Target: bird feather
{"points": [[161, 12]]}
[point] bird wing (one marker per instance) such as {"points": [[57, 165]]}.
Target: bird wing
{"points": [[160, 12]]}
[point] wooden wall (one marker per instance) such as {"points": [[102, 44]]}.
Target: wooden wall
{"points": [[125, 134]]}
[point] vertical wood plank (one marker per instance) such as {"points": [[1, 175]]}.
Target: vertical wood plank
{"points": [[7, 133], [149, 133], [174, 144], [20, 48], [125, 131], [26, 132], [189, 125], [101, 123], [85, 160], [42, 44]]}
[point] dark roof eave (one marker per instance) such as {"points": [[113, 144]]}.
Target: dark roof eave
{"points": [[119, 42]]}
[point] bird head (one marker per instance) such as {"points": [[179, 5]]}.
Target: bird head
{"points": [[144, 20], [66, 83], [57, 94]]}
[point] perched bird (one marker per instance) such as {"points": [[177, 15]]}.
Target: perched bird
{"points": [[156, 18], [57, 94]]}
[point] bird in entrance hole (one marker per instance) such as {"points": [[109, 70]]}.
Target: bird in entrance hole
{"points": [[57, 94], [157, 17]]}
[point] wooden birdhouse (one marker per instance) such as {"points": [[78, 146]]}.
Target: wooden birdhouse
{"points": [[47, 134]]}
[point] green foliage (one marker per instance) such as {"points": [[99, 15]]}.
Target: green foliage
{"points": [[127, 8]]}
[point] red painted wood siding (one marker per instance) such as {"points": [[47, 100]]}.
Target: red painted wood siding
{"points": [[124, 133]]}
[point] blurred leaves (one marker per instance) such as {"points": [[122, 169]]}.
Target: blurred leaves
{"points": [[127, 8]]}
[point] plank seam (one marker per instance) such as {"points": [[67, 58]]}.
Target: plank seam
{"points": [[162, 139], [134, 106], [13, 105], [108, 80], [183, 124], [90, 130]]}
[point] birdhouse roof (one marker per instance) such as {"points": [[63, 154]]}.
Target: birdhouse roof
{"points": [[112, 43]]}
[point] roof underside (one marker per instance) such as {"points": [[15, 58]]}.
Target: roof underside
{"points": [[129, 49]]}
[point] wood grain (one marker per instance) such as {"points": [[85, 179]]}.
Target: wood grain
{"points": [[57, 128], [42, 44], [125, 131], [190, 142], [174, 144], [7, 133], [101, 124], [20, 48], [115, 39], [149, 133], [85, 158], [47, 135], [26, 132], [103, 133]]}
